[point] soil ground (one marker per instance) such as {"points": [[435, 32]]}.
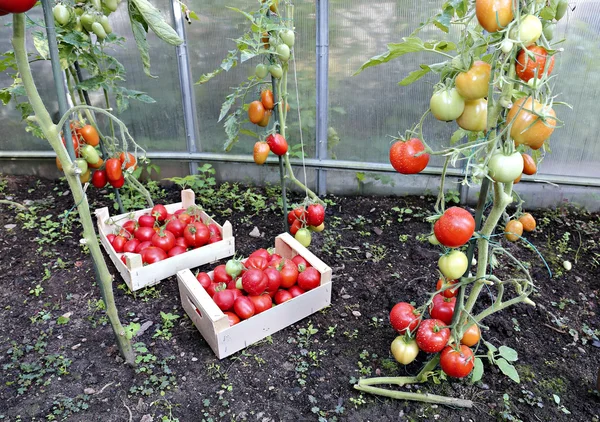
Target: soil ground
{"points": [[59, 359]]}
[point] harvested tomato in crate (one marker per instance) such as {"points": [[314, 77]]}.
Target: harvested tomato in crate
{"points": [[150, 245], [231, 324]]}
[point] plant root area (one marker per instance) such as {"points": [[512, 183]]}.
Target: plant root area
{"points": [[59, 358]]}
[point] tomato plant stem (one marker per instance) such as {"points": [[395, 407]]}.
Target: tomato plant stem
{"points": [[422, 397], [51, 132]]}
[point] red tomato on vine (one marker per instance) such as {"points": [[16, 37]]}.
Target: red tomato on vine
{"points": [[402, 156]]}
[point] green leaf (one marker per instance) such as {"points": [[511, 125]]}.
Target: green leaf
{"points": [[415, 75], [442, 20], [8, 61], [156, 22], [490, 347], [232, 128], [508, 370], [229, 101], [395, 50], [458, 135], [509, 354], [477, 373], [194, 16], [93, 84], [62, 320], [139, 35], [247, 55], [41, 45], [548, 13]]}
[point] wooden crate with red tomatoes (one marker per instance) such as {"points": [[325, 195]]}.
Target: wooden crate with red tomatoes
{"points": [[229, 326], [147, 248]]}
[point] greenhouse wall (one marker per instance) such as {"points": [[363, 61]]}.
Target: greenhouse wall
{"points": [[347, 126]]}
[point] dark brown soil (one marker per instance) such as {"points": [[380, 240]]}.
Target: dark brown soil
{"points": [[69, 369]]}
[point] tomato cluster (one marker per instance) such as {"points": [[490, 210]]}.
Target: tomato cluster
{"points": [[274, 143], [280, 44], [88, 18], [244, 288], [304, 220], [513, 230], [159, 235]]}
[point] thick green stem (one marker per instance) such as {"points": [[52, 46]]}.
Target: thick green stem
{"points": [[51, 132], [422, 397]]}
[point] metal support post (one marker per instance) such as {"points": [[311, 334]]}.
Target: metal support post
{"points": [[322, 104]]}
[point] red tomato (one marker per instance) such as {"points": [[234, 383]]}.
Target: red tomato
{"points": [[214, 230], [233, 318], [289, 274], [152, 254], [274, 260], [432, 335], [315, 215], [184, 217], [118, 243], [262, 252], [296, 225], [527, 67], [299, 260], [16, 6], [455, 227], [457, 362], [244, 307], [180, 241], [117, 183], [144, 234], [277, 143], [196, 234], [220, 274], [402, 157], [442, 283], [295, 290], [130, 226], [291, 217], [254, 282], [130, 245], [261, 303], [256, 262], [224, 299], [214, 288], [146, 220], [309, 279], [99, 179], [404, 317], [142, 246], [177, 250], [159, 212], [204, 280], [130, 158], [110, 237], [113, 169], [176, 227], [442, 308], [89, 134], [282, 296], [274, 280]]}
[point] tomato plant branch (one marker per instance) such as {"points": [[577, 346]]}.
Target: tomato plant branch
{"points": [[422, 397], [51, 132]]}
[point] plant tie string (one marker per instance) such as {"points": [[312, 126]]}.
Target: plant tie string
{"points": [[300, 123]]}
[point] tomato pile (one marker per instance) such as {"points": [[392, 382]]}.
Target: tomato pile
{"points": [[159, 235], [244, 288], [89, 17], [304, 220]]}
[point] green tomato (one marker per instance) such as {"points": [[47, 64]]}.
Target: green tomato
{"points": [[561, 9], [283, 51], [528, 31], [506, 46], [98, 29], [453, 265], [261, 71], [276, 71], [505, 168], [234, 267], [446, 104], [111, 5], [89, 153], [105, 24], [81, 164], [304, 237], [404, 349], [433, 240], [62, 15], [549, 31], [87, 20], [288, 37]]}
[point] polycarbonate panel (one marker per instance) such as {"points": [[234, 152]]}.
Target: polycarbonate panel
{"points": [[156, 127], [368, 109], [209, 41], [575, 147]]}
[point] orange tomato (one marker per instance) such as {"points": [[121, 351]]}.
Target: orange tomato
{"points": [[527, 128], [265, 120], [256, 112], [85, 177], [494, 15], [528, 222], [261, 152], [96, 165], [475, 83], [266, 98], [90, 135], [529, 166], [513, 230], [131, 161], [471, 336]]}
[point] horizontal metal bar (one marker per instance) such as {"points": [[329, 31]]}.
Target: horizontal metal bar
{"points": [[309, 162]]}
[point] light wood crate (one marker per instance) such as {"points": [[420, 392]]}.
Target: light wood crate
{"points": [[213, 324], [137, 275]]}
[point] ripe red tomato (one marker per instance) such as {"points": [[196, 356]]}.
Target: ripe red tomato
{"points": [[402, 157], [118, 243], [299, 260], [90, 135], [244, 307], [146, 220], [282, 296], [295, 290], [432, 335], [289, 274], [113, 169], [152, 254], [527, 66], [214, 230], [128, 160], [144, 234], [315, 214], [184, 217], [117, 183], [159, 212], [309, 279], [254, 282], [204, 279], [224, 299], [291, 217], [196, 234], [457, 362], [256, 262], [442, 308], [110, 237], [131, 245], [176, 227], [277, 143], [220, 274], [296, 225], [274, 280], [176, 250], [16, 6], [142, 246], [99, 179], [260, 152], [404, 317], [233, 318], [455, 227], [443, 283], [261, 303]]}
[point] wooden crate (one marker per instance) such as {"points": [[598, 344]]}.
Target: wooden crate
{"points": [[213, 324], [137, 275]]}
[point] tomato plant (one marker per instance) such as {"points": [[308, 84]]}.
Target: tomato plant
{"points": [[403, 156]]}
